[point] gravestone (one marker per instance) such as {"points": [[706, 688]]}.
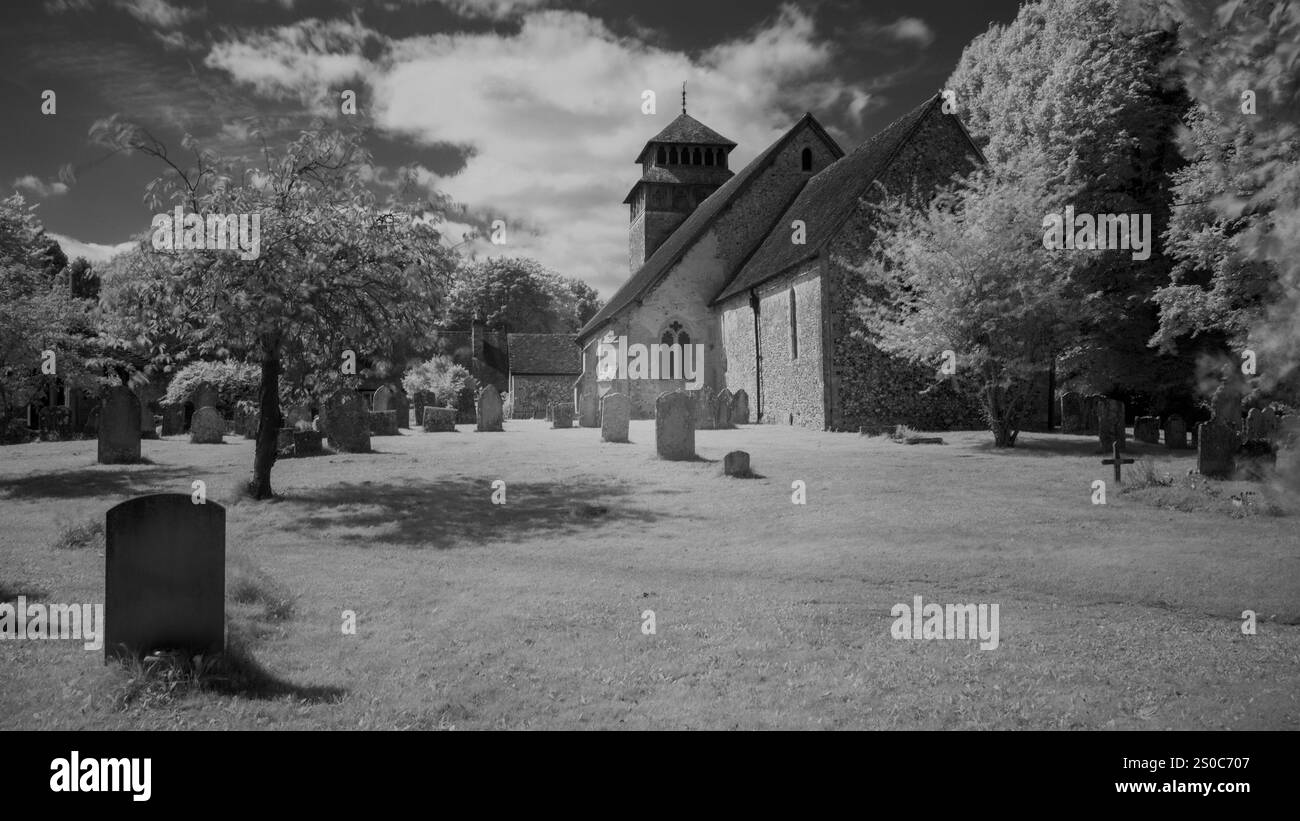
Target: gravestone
{"points": [[1091, 407], [1147, 429], [722, 410], [1072, 412], [119, 427], [561, 414], [392, 398], [1259, 424], [615, 411], [674, 426], [1110, 423], [148, 425], [173, 420], [307, 442], [437, 420], [284, 440], [207, 427], [487, 410], [703, 408], [1225, 405], [205, 396], [740, 408], [588, 410], [1216, 452], [346, 422], [736, 463], [1118, 461], [164, 576], [383, 423], [1175, 433]]}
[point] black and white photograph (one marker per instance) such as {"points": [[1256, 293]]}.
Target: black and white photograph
{"points": [[559, 365]]}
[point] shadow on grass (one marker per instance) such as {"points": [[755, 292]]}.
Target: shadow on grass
{"points": [[447, 513], [1043, 444], [166, 677], [10, 591], [87, 482]]}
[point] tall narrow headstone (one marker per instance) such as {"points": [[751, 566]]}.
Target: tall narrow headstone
{"points": [[703, 411], [148, 425], [615, 411], [207, 427], [722, 410], [1216, 451], [164, 576], [173, 420], [487, 410], [1175, 433], [674, 426], [119, 427], [346, 422], [588, 409], [1092, 404], [740, 408], [1072, 413], [1110, 423]]}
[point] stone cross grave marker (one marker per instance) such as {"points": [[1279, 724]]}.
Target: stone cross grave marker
{"points": [[1117, 461], [164, 576]]}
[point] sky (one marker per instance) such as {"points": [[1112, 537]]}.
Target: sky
{"points": [[527, 111]]}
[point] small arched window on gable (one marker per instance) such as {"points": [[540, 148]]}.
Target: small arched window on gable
{"points": [[806, 159], [674, 334]]}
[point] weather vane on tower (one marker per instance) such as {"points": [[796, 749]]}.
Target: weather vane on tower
{"points": [[683, 96]]}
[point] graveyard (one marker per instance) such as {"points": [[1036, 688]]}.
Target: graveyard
{"points": [[767, 614]]}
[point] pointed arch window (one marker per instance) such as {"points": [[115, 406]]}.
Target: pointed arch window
{"points": [[674, 334]]}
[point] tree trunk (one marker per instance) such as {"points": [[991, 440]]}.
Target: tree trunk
{"points": [[269, 423], [1001, 415]]}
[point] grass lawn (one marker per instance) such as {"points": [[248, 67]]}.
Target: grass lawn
{"points": [[768, 614]]}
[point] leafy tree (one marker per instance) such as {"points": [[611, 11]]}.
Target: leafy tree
{"points": [[1089, 93], [518, 294], [968, 273], [442, 380], [337, 270], [233, 381], [1238, 245]]}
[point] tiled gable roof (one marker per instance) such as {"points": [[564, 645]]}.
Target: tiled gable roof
{"points": [[827, 201]]}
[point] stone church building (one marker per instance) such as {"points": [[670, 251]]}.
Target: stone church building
{"points": [[715, 261]]}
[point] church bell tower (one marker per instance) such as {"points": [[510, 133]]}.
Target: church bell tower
{"points": [[680, 167]]}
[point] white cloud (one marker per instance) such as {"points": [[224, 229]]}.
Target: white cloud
{"points": [[495, 9], [903, 30], [157, 13], [94, 252], [550, 113], [39, 187]]}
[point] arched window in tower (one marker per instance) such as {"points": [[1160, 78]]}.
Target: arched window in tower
{"points": [[695, 157], [806, 159], [708, 156], [672, 155], [661, 156]]}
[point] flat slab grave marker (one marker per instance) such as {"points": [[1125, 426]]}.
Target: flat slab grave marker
{"points": [[164, 576]]}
